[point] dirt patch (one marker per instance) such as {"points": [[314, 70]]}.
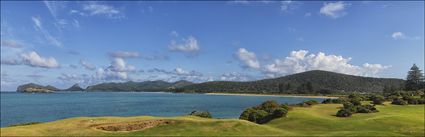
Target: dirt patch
{"points": [[133, 126]]}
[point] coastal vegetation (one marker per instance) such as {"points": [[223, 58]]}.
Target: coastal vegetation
{"points": [[265, 112], [320, 120], [315, 82], [203, 114]]}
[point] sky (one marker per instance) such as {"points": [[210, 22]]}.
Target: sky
{"points": [[88, 42]]}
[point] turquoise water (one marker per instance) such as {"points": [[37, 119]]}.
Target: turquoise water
{"points": [[27, 107]]}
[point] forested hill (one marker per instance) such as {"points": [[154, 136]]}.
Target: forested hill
{"points": [[138, 86], [309, 82]]}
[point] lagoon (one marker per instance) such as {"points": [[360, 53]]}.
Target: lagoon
{"points": [[26, 107]]}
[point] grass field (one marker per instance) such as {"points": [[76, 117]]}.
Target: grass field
{"points": [[318, 120]]}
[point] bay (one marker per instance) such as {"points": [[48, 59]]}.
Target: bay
{"points": [[43, 107]]}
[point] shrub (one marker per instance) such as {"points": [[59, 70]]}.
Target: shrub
{"points": [[343, 113], [349, 106], [327, 101], [399, 101], [280, 112], [366, 109], [307, 103], [269, 106], [24, 124], [333, 101], [245, 113], [203, 114], [265, 112], [311, 102], [286, 106], [258, 116], [377, 100]]}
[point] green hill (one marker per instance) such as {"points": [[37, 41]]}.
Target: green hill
{"points": [[138, 86], [309, 82]]}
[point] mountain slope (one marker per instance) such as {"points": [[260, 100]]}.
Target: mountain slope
{"points": [[315, 81], [138, 86], [74, 87]]}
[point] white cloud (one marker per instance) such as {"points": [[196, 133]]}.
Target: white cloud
{"points": [[188, 45], [37, 22], [117, 70], [10, 62], [300, 61], [174, 33], [94, 8], [124, 54], [176, 74], [334, 9], [249, 59], [87, 65], [54, 7], [180, 71], [34, 60], [238, 2], [235, 76], [398, 35], [288, 5], [308, 14], [49, 38], [11, 43]]}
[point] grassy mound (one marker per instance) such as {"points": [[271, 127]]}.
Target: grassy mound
{"points": [[392, 120]]}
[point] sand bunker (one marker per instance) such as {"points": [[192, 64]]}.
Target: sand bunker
{"points": [[133, 126]]}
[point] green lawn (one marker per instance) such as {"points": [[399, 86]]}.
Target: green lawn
{"points": [[318, 120]]}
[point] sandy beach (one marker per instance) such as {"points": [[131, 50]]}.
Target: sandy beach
{"points": [[275, 95]]}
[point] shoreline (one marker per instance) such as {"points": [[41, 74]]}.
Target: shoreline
{"points": [[272, 95]]}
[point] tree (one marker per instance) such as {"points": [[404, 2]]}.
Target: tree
{"points": [[415, 79], [309, 87]]}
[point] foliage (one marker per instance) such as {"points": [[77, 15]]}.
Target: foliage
{"points": [[203, 114], [343, 113], [377, 99], [265, 112], [399, 101], [24, 124], [333, 101], [415, 79], [310, 82], [158, 85], [307, 103], [354, 105]]}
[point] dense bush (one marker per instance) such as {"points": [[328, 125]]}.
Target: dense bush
{"points": [[203, 114], [366, 109], [258, 116], [333, 101], [280, 112], [353, 105], [269, 106], [377, 99], [399, 101], [265, 112], [307, 103], [343, 113]]}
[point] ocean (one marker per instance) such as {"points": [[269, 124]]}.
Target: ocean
{"points": [[43, 107]]}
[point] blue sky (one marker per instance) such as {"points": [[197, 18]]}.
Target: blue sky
{"points": [[62, 43]]}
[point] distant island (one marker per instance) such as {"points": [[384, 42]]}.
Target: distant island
{"points": [[310, 82], [35, 88]]}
